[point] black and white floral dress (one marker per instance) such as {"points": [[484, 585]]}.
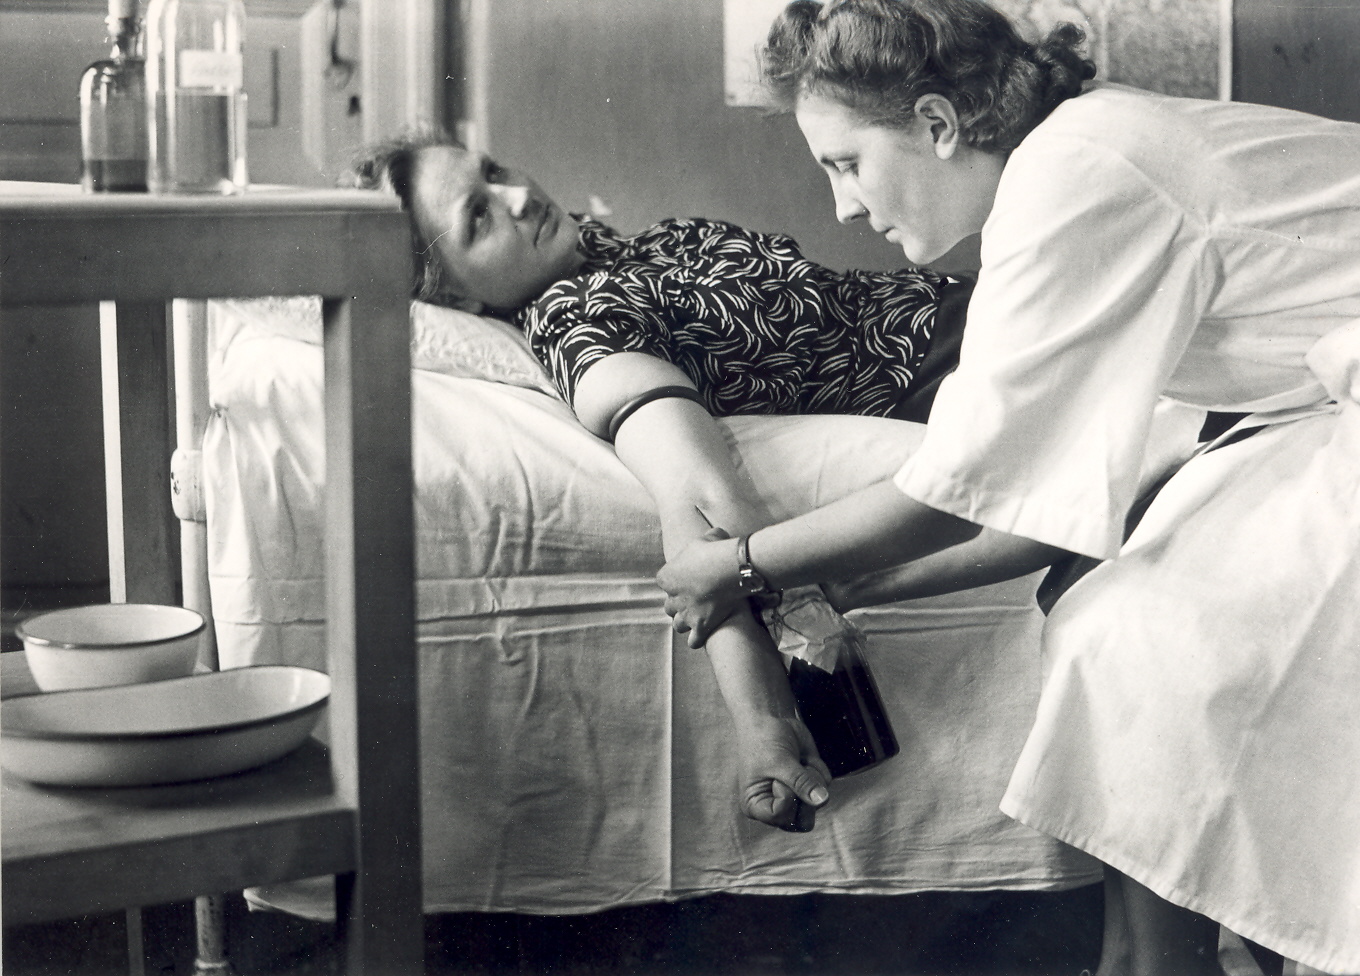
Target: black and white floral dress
{"points": [[759, 328]]}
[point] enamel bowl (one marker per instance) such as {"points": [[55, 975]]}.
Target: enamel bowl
{"points": [[167, 731], [110, 644]]}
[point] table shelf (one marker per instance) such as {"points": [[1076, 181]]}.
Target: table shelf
{"points": [[278, 822], [76, 850], [352, 810]]}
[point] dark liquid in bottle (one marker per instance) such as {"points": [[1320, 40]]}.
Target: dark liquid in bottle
{"points": [[845, 715], [114, 176]]}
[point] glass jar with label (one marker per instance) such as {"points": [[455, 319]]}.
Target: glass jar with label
{"points": [[195, 69]]}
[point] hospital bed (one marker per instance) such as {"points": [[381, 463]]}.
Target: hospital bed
{"points": [[574, 752]]}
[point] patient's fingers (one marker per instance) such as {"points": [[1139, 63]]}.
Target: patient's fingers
{"points": [[785, 782], [771, 802]]}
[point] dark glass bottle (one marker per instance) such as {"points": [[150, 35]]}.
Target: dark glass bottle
{"points": [[113, 132], [844, 712]]}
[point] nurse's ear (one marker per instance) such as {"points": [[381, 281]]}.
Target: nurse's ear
{"points": [[937, 113]]}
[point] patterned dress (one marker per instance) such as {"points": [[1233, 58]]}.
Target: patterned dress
{"points": [[758, 327]]}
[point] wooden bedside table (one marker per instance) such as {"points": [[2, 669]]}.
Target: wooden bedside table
{"points": [[352, 811]]}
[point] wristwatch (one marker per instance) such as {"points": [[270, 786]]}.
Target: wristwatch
{"points": [[749, 580]]}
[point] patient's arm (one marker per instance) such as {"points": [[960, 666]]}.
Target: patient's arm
{"points": [[678, 452], [989, 557]]}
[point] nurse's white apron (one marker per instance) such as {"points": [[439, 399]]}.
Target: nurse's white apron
{"points": [[1199, 728]]}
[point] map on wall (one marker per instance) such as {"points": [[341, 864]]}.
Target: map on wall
{"points": [[1168, 46]]}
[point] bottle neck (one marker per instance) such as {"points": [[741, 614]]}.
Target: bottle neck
{"points": [[125, 33]]}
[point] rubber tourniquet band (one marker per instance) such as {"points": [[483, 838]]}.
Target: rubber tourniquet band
{"points": [[660, 393]]}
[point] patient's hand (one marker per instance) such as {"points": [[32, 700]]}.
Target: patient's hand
{"points": [[782, 779], [701, 586]]}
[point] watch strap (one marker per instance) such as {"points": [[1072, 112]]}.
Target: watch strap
{"points": [[750, 579]]}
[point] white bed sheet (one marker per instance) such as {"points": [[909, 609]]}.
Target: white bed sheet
{"points": [[572, 748]]}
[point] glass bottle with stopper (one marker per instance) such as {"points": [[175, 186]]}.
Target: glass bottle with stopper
{"points": [[113, 132]]}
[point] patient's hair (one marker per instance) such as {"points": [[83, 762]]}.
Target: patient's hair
{"points": [[387, 166], [877, 57]]}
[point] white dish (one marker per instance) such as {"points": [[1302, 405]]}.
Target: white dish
{"points": [[110, 644], [167, 731]]}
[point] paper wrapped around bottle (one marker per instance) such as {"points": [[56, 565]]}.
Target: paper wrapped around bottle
{"points": [[803, 625], [832, 684]]}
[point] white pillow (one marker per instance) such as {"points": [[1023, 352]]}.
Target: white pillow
{"points": [[443, 340]]}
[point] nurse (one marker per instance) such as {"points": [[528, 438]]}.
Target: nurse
{"points": [[1197, 727]]}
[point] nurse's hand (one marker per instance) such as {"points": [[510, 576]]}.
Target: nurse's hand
{"points": [[701, 586]]}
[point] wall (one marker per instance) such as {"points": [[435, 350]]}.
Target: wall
{"points": [[623, 100], [1304, 56]]}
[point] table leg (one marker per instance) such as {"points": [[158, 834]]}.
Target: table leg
{"points": [[143, 540], [370, 628], [136, 943], [210, 918]]}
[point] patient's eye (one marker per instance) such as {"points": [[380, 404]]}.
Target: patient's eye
{"points": [[847, 167], [492, 171]]}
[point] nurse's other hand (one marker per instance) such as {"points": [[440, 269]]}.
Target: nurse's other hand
{"points": [[782, 779], [701, 586]]}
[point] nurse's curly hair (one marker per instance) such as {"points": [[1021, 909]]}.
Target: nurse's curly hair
{"points": [[387, 166], [877, 57]]}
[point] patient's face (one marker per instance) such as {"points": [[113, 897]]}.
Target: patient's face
{"points": [[500, 238]]}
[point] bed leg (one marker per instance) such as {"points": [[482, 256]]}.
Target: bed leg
{"points": [[189, 321], [193, 409]]}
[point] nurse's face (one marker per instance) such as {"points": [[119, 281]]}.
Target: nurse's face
{"points": [[919, 186], [501, 239]]}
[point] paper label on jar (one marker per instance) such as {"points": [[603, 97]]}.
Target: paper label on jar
{"points": [[211, 69]]}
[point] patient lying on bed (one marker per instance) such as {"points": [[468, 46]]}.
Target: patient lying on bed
{"points": [[650, 337]]}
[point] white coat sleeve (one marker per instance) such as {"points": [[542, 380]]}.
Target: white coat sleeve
{"points": [[1093, 280]]}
